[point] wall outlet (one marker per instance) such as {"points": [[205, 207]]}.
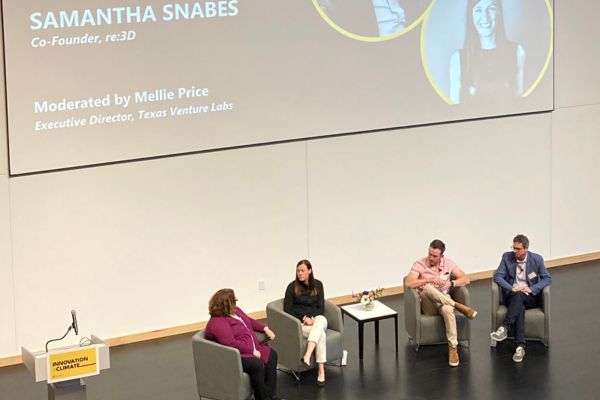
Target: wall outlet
{"points": [[261, 285]]}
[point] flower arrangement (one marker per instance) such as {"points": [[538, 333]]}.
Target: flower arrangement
{"points": [[366, 297]]}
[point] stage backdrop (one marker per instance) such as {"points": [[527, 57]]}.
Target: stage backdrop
{"points": [[106, 81]]}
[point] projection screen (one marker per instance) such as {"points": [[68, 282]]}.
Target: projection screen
{"points": [[103, 81]]}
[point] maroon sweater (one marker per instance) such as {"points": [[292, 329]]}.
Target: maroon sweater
{"points": [[229, 331]]}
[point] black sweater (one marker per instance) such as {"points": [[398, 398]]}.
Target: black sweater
{"points": [[305, 304]]}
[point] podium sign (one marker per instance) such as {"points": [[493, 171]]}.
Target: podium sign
{"points": [[64, 368], [37, 362], [67, 364]]}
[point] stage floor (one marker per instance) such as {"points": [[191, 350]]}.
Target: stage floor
{"points": [[163, 369]]}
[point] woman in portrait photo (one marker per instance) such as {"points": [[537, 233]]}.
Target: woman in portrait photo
{"points": [[489, 67]]}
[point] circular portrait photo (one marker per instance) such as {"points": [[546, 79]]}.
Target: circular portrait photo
{"points": [[372, 20], [486, 51]]}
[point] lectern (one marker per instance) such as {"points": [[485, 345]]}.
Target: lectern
{"points": [[65, 368]]}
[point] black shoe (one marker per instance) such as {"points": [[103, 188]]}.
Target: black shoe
{"points": [[307, 365], [320, 383]]}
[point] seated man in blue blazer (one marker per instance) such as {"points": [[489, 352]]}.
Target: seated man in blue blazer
{"points": [[522, 275]]}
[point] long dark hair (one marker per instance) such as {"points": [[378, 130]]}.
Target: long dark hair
{"points": [[472, 42], [471, 34], [299, 285]]}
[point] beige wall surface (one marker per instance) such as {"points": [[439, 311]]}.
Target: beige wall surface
{"points": [[141, 246], [7, 311], [577, 54], [575, 135], [3, 133], [376, 201], [576, 180]]}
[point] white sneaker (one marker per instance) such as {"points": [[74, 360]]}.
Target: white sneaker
{"points": [[500, 334], [519, 354]]}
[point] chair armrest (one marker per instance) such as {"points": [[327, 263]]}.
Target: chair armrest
{"points": [[218, 368], [282, 323], [210, 350], [412, 311], [288, 341], [495, 296], [496, 293], [546, 300], [461, 294], [262, 337], [546, 308], [334, 317]]}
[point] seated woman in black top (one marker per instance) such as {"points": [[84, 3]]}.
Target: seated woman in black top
{"points": [[305, 300]]}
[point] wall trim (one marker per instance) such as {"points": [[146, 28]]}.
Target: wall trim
{"points": [[6, 361], [391, 291]]}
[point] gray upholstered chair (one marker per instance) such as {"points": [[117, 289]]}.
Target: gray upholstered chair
{"points": [[537, 320], [425, 329], [219, 372], [289, 343]]}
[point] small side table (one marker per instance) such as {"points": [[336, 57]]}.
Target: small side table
{"points": [[380, 311]]}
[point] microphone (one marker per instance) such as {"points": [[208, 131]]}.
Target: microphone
{"points": [[74, 323], [72, 326]]}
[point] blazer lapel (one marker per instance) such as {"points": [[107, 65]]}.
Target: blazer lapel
{"points": [[529, 268], [513, 269]]}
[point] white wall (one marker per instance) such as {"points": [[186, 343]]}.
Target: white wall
{"points": [[576, 180], [141, 246], [376, 201], [3, 140], [576, 53], [575, 129], [7, 310]]}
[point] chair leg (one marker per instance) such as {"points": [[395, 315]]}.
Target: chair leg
{"points": [[289, 371], [411, 340], [335, 363]]}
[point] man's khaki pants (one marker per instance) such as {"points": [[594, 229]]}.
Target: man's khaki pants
{"points": [[434, 302]]}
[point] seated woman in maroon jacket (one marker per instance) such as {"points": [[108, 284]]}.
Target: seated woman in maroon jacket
{"points": [[230, 326]]}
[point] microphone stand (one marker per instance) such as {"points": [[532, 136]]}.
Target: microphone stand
{"points": [[56, 340]]}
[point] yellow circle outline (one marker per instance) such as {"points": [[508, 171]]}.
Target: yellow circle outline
{"points": [[550, 51], [443, 95], [371, 39]]}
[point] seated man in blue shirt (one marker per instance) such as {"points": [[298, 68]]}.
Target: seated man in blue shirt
{"points": [[522, 275]]}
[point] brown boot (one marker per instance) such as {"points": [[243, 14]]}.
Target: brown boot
{"points": [[452, 356], [465, 310]]}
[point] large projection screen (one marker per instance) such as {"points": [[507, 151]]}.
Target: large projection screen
{"points": [[104, 81]]}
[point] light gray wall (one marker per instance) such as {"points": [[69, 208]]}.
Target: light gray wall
{"points": [[576, 53], [3, 136], [7, 310], [575, 129], [141, 246], [376, 201], [575, 180]]}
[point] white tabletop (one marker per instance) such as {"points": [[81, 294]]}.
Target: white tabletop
{"points": [[359, 311]]}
